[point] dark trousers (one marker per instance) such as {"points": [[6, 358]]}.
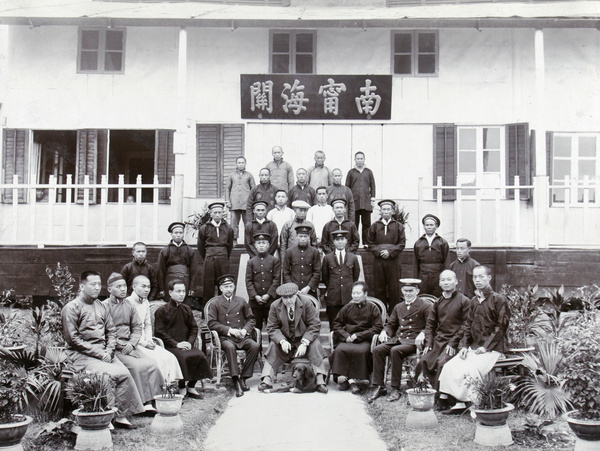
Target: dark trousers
{"points": [[397, 352], [230, 348], [365, 217], [261, 315], [236, 215], [332, 311], [386, 275], [214, 267]]}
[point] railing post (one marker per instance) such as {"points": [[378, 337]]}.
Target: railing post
{"points": [[86, 206], [458, 214], [103, 202], [138, 207], [121, 199], [517, 206], [541, 197], [440, 197], [51, 203], [15, 206], [478, 223], [586, 207], [419, 203], [155, 210], [498, 214], [567, 205], [32, 206], [68, 206]]}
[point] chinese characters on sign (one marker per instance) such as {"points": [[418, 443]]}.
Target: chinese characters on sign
{"points": [[303, 96]]}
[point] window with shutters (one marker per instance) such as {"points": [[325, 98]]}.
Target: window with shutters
{"points": [[218, 145], [573, 157], [101, 51], [15, 157], [415, 53], [293, 52]]}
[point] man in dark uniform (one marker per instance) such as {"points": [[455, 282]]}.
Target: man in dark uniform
{"points": [[386, 240], [215, 241], [288, 237], [463, 268], [233, 320], [302, 263], [140, 267], [175, 261], [339, 191], [302, 190], [260, 225], [353, 329], [263, 275], [431, 255], [175, 325], [339, 270], [339, 222], [445, 328], [293, 327], [263, 191], [401, 336]]}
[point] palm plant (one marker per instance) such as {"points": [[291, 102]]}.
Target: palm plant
{"points": [[540, 390], [90, 391], [490, 391]]}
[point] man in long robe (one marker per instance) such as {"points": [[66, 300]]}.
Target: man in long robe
{"points": [[91, 341], [175, 325], [293, 328], [167, 363], [353, 329], [445, 328], [339, 191], [260, 225], [140, 266], [463, 268], [230, 316], [175, 261], [128, 327], [483, 343], [361, 181]]}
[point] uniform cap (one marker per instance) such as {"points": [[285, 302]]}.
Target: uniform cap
{"points": [[261, 236], [339, 201], [216, 204], [226, 278], [174, 225], [383, 202], [430, 216], [411, 282], [303, 229], [114, 277], [339, 234], [260, 202]]}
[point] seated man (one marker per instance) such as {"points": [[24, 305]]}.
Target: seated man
{"points": [[230, 316], [91, 341], [175, 325], [293, 328], [353, 328], [400, 338], [167, 363], [128, 326], [482, 344], [445, 328]]}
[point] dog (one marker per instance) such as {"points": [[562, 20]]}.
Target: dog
{"points": [[304, 380]]}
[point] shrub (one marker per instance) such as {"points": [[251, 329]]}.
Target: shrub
{"points": [[490, 391], [63, 282], [13, 394], [92, 392]]}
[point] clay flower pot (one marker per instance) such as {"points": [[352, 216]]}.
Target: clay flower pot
{"points": [[12, 433], [421, 415], [94, 434], [587, 432], [492, 429], [167, 421]]}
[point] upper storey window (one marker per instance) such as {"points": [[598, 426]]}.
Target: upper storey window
{"points": [[415, 53], [293, 52], [101, 51]]}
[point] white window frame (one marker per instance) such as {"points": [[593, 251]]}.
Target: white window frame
{"points": [[102, 51], [415, 52], [480, 179], [292, 49]]}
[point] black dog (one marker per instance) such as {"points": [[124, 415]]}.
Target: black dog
{"points": [[304, 380]]}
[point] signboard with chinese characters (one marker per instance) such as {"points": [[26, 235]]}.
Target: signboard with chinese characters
{"points": [[306, 96]]}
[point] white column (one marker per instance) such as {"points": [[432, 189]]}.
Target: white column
{"points": [[539, 124], [180, 137]]}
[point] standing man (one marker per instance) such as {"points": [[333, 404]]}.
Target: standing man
{"points": [[128, 328], [482, 344], [237, 191], [263, 191], [400, 338], [140, 267], [175, 261], [282, 173], [431, 254], [263, 275], [215, 241], [293, 327], [361, 181], [302, 190], [233, 320], [302, 263], [281, 213], [340, 269], [260, 224], [288, 236], [175, 325], [445, 328], [338, 191], [339, 222], [386, 241], [319, 174], [463, 268], [91, 340], [321, 213]]}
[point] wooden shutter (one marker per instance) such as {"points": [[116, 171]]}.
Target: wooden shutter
{"points": [[164, 162], [444, 158], [549, 155], [16, 146], [518, 158], [233, 147], [208, 139], [92, 149]]}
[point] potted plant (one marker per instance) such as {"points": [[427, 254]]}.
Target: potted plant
{"points": [[490, 409], [93, 393], [13, 399], [421, 398], [580, 345], [168, 405], [11, 324]]}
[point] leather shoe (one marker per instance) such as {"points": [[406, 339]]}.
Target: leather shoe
{"points": [[322, 388], [379, 391], [120, 425], [354, 389], [344, 385], [243, 385], [394, 395], [195, 394], [238, 389]]}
